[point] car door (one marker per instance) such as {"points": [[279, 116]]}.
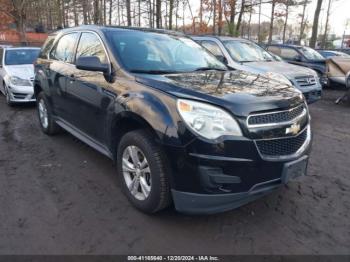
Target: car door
{"points": [[87, 91], [59, 69]]}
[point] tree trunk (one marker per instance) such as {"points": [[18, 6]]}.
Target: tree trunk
{"points": [[232, 17], [271, 20], [85, 14], [250, 18], [110, 11], [201, 16], [302, 25], [220, 18], [171, 10], [313, 39], [259, 26], [128, 12], [139, 11], [285, 22], [104, 13], [239, 21], [159, 13], [214, 17], [75, 13], [96, 12], [324, 40]]}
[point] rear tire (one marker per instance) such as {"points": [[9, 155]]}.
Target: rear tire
{"points": [[47, 123], [143, 170]]}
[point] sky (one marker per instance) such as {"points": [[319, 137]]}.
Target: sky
{"points": [[340, 13]]}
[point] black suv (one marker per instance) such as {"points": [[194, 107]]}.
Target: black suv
{"points": [[180, 126], [303, 56]]}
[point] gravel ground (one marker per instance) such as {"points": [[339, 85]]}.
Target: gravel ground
{"points": [[58, 196]]}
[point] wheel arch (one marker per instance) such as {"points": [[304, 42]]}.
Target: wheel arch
{"points": [[126, 122]]}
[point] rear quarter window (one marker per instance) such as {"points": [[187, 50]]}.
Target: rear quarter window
{"points": [[44, 53]]}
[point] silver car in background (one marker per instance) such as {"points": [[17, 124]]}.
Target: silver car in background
{"points": [[17, 73], [245, 55]]}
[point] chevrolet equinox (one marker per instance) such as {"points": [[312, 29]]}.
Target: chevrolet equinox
{"points": [[181, 127]]}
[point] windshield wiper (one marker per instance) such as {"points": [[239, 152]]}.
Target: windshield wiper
{"points": [[155, 72], [209, 68]]}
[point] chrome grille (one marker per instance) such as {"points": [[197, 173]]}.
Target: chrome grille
{"points": [[276, 117], [304, 81], [282, 146]]}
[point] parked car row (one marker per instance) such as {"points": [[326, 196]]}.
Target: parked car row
{"points": [[182, 126], [246, 55]]}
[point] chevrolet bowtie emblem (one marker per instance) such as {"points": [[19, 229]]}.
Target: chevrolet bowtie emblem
{"points": [[293, 129]]}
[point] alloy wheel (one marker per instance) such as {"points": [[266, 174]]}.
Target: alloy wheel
{"points": [[44, 120], [136, 172]]}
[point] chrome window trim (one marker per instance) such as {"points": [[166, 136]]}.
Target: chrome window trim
{"points": [[304, 112]]}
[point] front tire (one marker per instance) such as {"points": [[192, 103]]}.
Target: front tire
{"points": [[7, 96], [47, 123], [143, 169]]}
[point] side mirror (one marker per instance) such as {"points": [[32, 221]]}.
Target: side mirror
{"points": [[222, 59], [91, 63]]}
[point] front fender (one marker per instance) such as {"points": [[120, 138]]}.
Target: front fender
{"points": [[156, 109]]}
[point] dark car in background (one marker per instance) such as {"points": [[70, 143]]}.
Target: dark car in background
{"points": [[303, 56], [180, 126]]}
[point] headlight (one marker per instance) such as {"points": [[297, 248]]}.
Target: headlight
{"points": [[19, 81], [278, 77], [207, 120]]}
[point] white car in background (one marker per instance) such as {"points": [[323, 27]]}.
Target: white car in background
{"points": [[17, 73]]}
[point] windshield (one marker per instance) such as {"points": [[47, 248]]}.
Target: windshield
{"points": [[242, 51], [310, 53], [21, 56], [144, 52]]}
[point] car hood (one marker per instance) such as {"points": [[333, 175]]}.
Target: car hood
{"points": [[238, 91], [288, 70], [21, 71]]}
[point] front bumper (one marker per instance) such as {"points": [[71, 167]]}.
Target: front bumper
{"points": [[215, 177], [193, 203], [21, 94]]}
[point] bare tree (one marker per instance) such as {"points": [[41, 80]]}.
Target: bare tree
{"points": [[324, 39], [315, 24], [171, 11], [128, 11], [159, 13], [273, 5], [239, 21], [302, 24]]}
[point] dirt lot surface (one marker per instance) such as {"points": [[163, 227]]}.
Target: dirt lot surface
{"points": [[58, 196]]}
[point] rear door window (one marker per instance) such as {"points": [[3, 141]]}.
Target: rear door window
{"points": [[90, 45], [47, 47], [289, 53], [64, 49], [275, 50]]}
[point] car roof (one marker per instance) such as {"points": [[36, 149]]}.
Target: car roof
{"points": [[285, 45], [119, 28], [221, 38]]}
